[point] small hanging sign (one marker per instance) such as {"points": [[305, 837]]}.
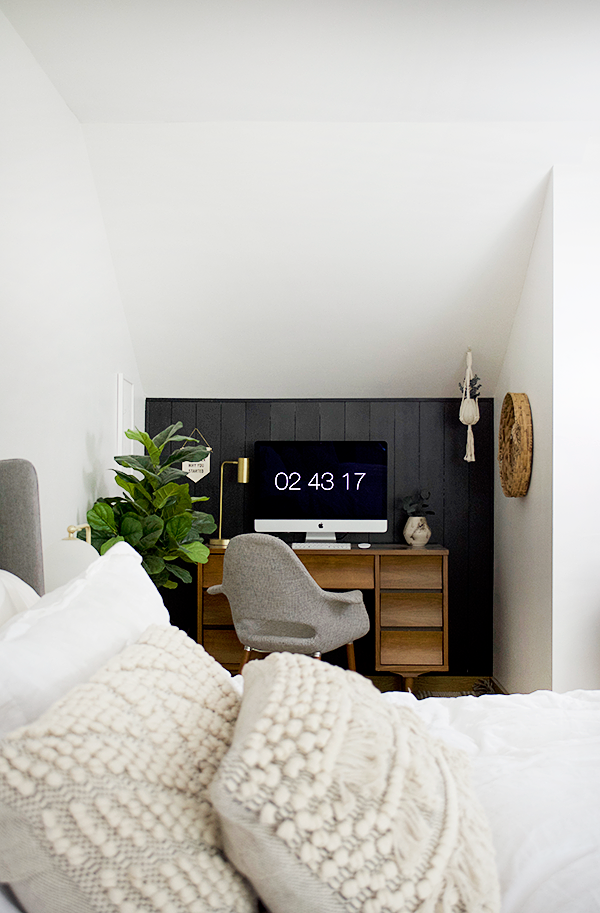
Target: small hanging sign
{"points": [[200, 468]]}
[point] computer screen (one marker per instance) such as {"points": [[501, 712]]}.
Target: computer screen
{"points": [[320, 487]]}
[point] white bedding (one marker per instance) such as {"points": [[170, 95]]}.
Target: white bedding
{"points": [[535, 758], [536, 769]]}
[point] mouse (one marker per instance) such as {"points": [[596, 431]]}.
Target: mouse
{"points": [[364, 545]]}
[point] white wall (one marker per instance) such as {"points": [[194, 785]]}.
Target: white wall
{"points": [[576, 439], [523, 526], [287, 252], [64, 336], [547, 589]]}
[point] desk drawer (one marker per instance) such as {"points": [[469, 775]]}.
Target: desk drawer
{"points": [[411, 572], [337, 572], [412, 648], [224, 646], [212, 571], [216, 610], [411, 610]]}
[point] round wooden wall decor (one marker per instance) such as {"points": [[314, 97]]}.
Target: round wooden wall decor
{"points": [[515, 445]]}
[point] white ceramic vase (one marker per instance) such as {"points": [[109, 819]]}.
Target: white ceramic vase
{"points": [[417, 532]]}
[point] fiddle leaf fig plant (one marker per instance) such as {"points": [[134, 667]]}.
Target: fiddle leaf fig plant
{"points": [[416, 505], [156, 514]]}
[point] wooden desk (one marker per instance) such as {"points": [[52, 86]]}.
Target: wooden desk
{"points": [[411, 603]]}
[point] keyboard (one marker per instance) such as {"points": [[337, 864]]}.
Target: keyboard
{"points": [[332, 545]]}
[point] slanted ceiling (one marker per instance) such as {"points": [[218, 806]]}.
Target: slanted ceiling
{"points": [[326, 198]]}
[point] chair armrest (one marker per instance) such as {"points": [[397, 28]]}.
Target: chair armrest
{"points": [[215, 590], [351, 597]]}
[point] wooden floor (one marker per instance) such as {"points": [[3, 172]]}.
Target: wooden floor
{"points": [[439, 685]]}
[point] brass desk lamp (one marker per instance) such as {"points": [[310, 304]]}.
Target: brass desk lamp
{"points": [[243, 476]]}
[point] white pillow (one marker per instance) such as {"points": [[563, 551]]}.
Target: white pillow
{"points": [[68, 634], [15, 596]]}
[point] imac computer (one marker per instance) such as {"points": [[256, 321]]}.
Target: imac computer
{"points": [[320, 488]]}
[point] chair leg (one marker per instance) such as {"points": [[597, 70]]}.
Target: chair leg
{"points": [[351, 657], [245, 658]]}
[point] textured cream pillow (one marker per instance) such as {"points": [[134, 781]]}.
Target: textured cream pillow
{"points": [[332, 800], [103, 800]]}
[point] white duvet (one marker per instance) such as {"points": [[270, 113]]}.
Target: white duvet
{"points": [[536, 768]]}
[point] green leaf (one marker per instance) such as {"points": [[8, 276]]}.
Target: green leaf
{"points": [[204, 498], [166, 435], [152, 528], [109, 544], [146, 440], [138, 463], [131, 529], [169, 585], [152, 564], [193, 454], [178, 527], [171, 474], [172, 490], [180, 572], [134, 488], [101, 517], [203, 523], [161, 579], [194, 552], [134, 461]]}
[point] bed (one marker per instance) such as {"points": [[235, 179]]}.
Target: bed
{"points": [[137, 775]]}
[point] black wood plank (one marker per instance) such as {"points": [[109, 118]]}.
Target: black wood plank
{"points": [[307, 420], [382, 428], [283, 420], [405, 460], [480, 571], [233, 446], [431, 463], [258, 428], [456, 536], [332, 420], [208, 422], [358, 415], [158, 415], [183, 410]]}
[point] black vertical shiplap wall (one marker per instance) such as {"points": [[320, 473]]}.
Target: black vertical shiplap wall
{"points": [[426, 450]]}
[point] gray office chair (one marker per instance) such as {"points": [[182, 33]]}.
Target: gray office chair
{"points": [[278, 607]]}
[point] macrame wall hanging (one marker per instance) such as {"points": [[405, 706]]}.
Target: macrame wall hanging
{"points": [[469, 407]]}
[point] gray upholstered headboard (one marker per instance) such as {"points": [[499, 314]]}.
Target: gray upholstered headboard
{"points": [[20, 529]]}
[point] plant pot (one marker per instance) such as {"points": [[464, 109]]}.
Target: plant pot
{"points": [[417, 532]]}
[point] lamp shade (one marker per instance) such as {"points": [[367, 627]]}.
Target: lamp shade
{"points": [[65, 559]]}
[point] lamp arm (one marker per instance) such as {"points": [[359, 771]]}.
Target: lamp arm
{"points": [[243, 465], [225, 462]]}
